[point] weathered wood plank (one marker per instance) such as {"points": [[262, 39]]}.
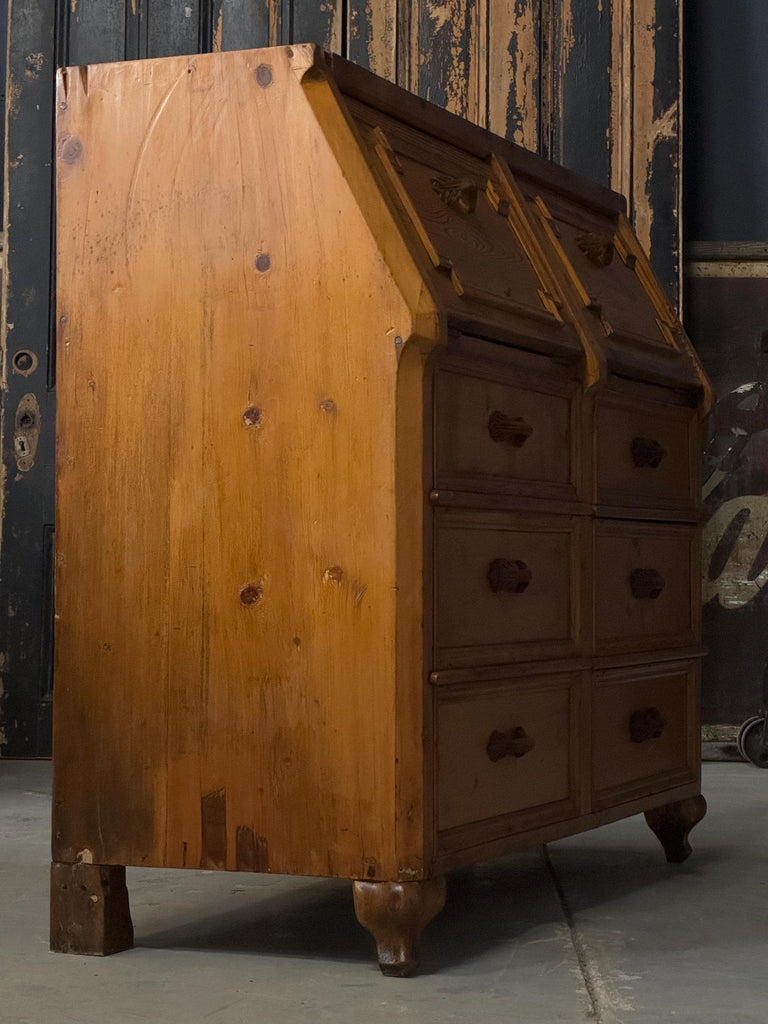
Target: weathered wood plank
{"points": [[656, 136], [451, 58], [28, 446], [514, 70], [583, 57], [173, 28], [659, 179], [622, 85], [372, 35], [308, 21], [241, 24], [97, 30]]}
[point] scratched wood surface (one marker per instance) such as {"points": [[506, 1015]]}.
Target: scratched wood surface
{"points": [[227, 647]]}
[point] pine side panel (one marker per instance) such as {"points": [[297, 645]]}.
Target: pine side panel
{"points": [[227, 576]]}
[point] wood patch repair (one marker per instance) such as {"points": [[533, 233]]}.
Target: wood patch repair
{"points": [[252, 851], [213, 813]]}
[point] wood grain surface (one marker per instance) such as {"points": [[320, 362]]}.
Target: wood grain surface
{"points": [[227, 551]]}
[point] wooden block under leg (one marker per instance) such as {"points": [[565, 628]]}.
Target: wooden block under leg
{"points": [[672, 823], [89, 909], [396, 913]]}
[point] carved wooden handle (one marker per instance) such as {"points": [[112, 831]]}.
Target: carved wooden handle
{"points": [[508, 429], [459, 194], [646, 583], [646, 724], [596, 247], [514, 743], [646, 453], [508, 577]]}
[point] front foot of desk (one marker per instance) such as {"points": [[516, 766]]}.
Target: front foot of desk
{"points": [[396, 913], [672, 822], [89, 909]]}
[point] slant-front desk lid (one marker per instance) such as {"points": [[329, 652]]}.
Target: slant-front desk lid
{"points": [[517, 248]]}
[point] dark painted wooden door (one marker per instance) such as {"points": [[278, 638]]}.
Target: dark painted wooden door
{"points": [[727, 317]]}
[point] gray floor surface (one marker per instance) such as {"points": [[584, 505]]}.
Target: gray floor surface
{"points": [[594, 928]]}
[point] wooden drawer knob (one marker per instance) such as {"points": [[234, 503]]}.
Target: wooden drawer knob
{"points": [[646, 584], [513, 743], [508, 429], [646, 724], [646, 453], [507, 576]]}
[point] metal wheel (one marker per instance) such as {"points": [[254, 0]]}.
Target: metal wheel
{"points": [[752, 742], [747, 724]]}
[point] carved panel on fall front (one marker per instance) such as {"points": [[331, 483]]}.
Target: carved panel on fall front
{"points": [[607, 274], [464, 225], [460, 209]]}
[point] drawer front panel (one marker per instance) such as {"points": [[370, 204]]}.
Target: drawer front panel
{"points": [[500, 437], [644, 732], [646, 455], [506, 587], [506, 752], [646, 586]]}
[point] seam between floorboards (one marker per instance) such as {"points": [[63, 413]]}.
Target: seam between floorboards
{"points": [[587, 966]]}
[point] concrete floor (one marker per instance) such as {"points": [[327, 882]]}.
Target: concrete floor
{"points": [[596, 928]]}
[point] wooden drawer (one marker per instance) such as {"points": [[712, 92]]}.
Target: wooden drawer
{"points": [[508, 751], [646, 585], [507, 587], [646, 454], [503, 437], [645, 731]]}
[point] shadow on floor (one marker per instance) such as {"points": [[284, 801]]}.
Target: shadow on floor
{"points": [[488, 907]]}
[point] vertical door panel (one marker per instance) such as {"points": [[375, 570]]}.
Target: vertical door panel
{"points": [[242, 24], [28, 407]]}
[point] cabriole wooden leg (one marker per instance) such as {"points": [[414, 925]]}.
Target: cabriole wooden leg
{"points": [[89, 909], [673, 822], [395, 913]]}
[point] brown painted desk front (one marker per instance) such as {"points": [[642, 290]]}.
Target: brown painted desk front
{"points": [[378, 495]]}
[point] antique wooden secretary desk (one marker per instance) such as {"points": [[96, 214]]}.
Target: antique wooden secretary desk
{"points": [[378, 495]]}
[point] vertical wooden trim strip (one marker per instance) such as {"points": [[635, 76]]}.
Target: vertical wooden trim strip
{"points": [[371, 35], [515, 73], [656, 138], [622, 106], [547, 74]]}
